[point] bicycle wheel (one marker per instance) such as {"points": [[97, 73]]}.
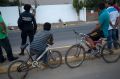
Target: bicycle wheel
{"points": [[111, 55], [18, 70], [75, 56], [54, 59]]}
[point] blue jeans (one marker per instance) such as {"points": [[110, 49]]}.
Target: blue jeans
{"points": [[112, 38]]}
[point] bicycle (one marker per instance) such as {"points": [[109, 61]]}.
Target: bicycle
{"points": [[54, 60], [76, 54]]}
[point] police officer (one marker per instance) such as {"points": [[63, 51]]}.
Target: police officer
{"points": [[27, 25]]}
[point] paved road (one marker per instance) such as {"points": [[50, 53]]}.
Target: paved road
{"points": [[89, 70], [62, 36], [92, 69]]}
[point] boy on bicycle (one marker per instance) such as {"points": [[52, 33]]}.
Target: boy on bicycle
{"points": [[41, 41], [101, 29]]}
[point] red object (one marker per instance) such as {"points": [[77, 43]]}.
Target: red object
{"points": [[118, 8]]}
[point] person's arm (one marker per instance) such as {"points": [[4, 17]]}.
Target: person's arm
{"points": [[35, 24], [50, 40], [96, 28], [2, 24], [113, 26], [4, 27], [20, 22], [117, 21]]}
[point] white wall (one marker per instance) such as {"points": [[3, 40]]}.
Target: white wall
{"points": [[10, 15], [45, 13]]}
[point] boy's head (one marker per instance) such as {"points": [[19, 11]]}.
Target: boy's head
{"points": [[47, 26], [109, 3], [101, 6], [27, 7]]}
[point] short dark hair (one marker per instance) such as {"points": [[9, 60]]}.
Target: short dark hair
{"points": [[27, 7], [101, 5], [47, 26], [110, 3]]}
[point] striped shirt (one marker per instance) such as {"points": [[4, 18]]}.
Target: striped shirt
{"points": [[40, 40]]}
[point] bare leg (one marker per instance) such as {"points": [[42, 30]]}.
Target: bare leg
{"points": [[92, 45]]}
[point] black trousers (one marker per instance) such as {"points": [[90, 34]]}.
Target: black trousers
{"points": [[6, 45], [24, 35]]}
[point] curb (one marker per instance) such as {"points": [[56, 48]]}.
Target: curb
{"points": [[4, 69], [86, 22]]}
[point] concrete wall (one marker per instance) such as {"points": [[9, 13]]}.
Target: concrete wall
{"points": [[45, 13], [10, 15]]}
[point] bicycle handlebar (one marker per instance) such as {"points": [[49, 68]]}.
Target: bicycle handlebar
{"points": [[80, 34]]}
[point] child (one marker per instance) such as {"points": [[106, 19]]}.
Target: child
{"points": [[41, 41]]}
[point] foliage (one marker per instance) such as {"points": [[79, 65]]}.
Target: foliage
{"points": [[7, 3], [4, 2], [77, 4], [92, 4]]}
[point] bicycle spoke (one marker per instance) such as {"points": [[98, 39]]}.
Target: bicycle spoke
{"points": [[17, 70], [111, 55], [74, 56]]}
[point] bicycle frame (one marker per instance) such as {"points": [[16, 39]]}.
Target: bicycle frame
{"points": [[47, 50], [82, 37], [82, 41]]}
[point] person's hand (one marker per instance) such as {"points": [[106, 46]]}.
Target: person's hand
{"points": [[35, 30], [4, 31], [51, 43], [114, 26]]}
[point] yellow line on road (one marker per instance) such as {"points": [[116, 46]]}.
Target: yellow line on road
{"points": [[67, 46]]}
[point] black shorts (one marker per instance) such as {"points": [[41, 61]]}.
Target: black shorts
{"points": [[95, 36]]}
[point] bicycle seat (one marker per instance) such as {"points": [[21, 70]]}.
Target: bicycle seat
{"points": [[24, 47]]}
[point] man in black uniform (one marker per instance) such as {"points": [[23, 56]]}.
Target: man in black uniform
{"points": [[27, 25]]}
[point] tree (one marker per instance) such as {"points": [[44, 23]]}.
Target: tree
{"points": [[92, 4], [77, 4], [36, 5], [4, 2]]}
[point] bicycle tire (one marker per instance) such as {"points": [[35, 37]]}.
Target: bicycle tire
{"points": [[17, 66], [69, 59], [111, 56], [54, 59]]}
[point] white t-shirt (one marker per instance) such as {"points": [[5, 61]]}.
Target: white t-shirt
{"points": [[113, 16]]}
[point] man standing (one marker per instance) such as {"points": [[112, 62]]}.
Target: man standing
{"points": [[4, 42], [115, 5], [114, 17], [27, 25]]}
